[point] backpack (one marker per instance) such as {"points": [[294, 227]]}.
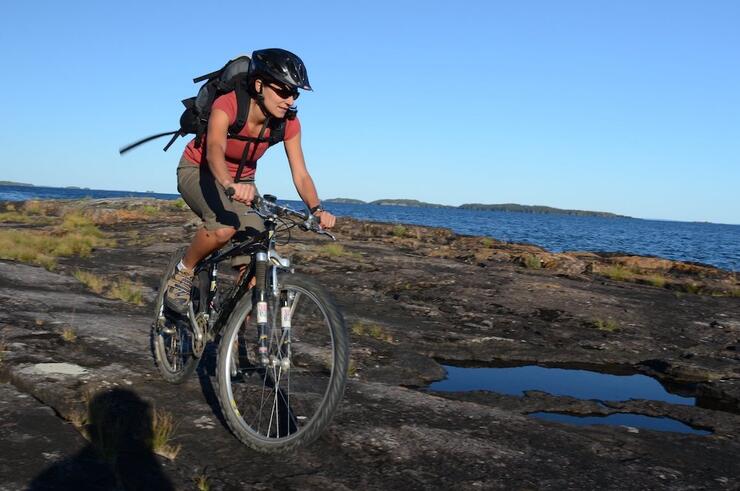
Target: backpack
{"points": [[194, 119]]}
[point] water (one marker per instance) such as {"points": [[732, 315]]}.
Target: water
{"points": [[623, 419], [707, 243], [23, 193], [581, 384]]}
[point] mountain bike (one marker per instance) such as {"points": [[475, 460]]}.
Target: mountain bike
{"points": [[282, 344]]}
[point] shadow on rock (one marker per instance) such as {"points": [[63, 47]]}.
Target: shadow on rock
{"points": [[120, 451]]}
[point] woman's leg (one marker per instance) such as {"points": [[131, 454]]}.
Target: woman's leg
{"points": [[204, 243]]}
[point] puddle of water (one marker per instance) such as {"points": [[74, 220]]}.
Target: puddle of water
{"points": [[582, 384], [623, 419]]}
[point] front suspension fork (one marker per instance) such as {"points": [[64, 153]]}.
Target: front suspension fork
{"points": [[261, 298], [263, 289]]}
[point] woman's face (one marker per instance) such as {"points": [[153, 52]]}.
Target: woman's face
{"points": [[278, 97]]}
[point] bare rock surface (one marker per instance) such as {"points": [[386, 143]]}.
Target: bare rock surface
{"points": [[414, 301]]}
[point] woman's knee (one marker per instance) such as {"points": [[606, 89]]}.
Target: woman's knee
{"points": [[224, 234]]}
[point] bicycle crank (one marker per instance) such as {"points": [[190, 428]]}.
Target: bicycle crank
{"points": [[199, 340]]}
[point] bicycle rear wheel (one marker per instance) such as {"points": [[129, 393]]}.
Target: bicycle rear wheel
{"points": [[289, 402], [171, 339]]}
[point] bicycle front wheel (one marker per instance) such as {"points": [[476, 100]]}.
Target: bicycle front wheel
{"points": [[288, 401]]}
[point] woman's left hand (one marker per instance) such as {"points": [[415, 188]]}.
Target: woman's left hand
{"points": [[326, 219]]}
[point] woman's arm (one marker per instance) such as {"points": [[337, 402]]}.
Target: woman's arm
{"points": [[302, 179], [218, 128]]}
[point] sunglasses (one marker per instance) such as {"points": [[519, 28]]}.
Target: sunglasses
{"points": [[284, 92]]}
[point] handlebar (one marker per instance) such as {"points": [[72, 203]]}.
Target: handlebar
{"points": [[268, 209]]}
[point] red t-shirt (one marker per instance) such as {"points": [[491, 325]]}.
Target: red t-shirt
{"points": [[234, 147]]}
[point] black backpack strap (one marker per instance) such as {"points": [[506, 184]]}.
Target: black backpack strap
{"points": [[150, 138], [254, 143], [277, 132], [172, 140], [209, 76], [242, 108]]}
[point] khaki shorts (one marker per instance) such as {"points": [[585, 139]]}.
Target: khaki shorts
{"points": [[207, 199]]}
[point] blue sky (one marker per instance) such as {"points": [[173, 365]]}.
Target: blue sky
{"points": [[631, 107]]}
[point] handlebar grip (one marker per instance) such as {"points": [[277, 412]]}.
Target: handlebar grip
{"points": [[229, 192]]}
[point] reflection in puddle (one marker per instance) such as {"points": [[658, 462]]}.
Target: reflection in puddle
{"points": [[581, 384], [623, 419]]}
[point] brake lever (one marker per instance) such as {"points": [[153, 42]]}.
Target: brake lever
{"points": [[312, 224]]}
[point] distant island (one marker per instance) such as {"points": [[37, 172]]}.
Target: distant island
{"points": [[345, 201], [513, 207], [538, 209], [407, 202], [11, 183], [387, 202]]}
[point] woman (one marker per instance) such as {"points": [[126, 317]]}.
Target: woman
{"points": [[273, 80]]}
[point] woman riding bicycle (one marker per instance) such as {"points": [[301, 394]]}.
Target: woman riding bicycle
{"points": [[207, 170]]}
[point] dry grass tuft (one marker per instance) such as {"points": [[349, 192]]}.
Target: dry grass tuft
{"points": [[352, 368], [607, 325], [79, 420], [399, 231], [34, 207], [694, 288], [618, 273], [3, 348], [201, 482], [337, 250], [69, 335], [18, 217], [128, 291], [163, 428], [75, 236], [179, 204], [656, 280], [94, 282], [531, 261], [373, 331]]}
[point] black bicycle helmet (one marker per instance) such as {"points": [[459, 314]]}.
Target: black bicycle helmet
{"points": [[281, 66]]}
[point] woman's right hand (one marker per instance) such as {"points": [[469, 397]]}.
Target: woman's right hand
{"points": [[243, 192]]}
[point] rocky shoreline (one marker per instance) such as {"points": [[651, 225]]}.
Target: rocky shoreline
{"points": [[415, 299]]}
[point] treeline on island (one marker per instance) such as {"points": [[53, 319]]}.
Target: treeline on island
{"points": [[513, 207]]}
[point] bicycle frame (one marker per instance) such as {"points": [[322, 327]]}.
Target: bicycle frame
{"points": [[264, 260]]}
